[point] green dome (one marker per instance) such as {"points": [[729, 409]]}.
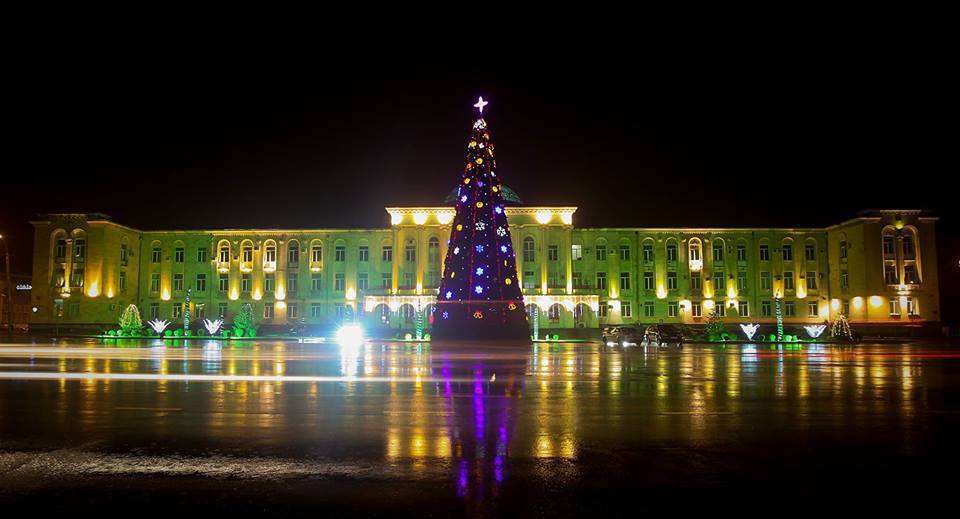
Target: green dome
{"points": [[509, 195]]}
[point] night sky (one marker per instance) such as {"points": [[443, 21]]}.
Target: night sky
{"points": [[803, 137]]}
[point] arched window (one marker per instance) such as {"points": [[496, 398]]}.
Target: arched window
{"points": [[554, 313], [270, 255], [671, 250], [293, 253], [433, 250], [224, 252], [529, 250]]}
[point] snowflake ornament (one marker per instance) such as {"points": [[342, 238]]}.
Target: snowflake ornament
{"points": [[481, 226], [501, 231]]}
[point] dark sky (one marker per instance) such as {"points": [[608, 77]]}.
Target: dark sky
{"points": [[778, 136]]}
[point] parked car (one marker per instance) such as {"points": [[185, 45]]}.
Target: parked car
{"points": [[620, 336], [663, 335]]}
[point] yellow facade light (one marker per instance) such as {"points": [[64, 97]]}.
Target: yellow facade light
{"points": [[420, 217], [257, 295], [566, 218], [903, 303], [876, 301], [396, 218], [544, 216], [835, 305], [857, 302], [233, 294], [732, 292], [281, 304], [165, 295], [351, 294], [93, 290], [708, 305], [445, 217], [661, 291]]}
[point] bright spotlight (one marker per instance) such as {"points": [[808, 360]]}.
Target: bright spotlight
{"points": [[350, 335]]}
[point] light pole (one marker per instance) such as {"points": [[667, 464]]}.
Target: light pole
{"points": [[9, 306]]}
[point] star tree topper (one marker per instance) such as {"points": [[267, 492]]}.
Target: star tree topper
{"points": [[480, 104]]}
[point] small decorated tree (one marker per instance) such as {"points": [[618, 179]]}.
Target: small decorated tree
{"points": [[715, 326], [841, 329], [244, 324], [130, 322]]}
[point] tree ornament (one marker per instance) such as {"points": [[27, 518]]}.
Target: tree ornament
{"points": [[508, 281], [481, 226], [501, 232], [459, 227], [479, 205], [478, 315], [479, 271]]}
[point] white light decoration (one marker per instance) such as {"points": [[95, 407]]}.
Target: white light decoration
{"points": [[463, 198], [158, 325], [503, 249], [350, 335], [456, 250], [420, 217], [544, 217], [481, 226], [445, 217], [478, 289], [749, 330], [815, 330], [479, 271], [212, 326], [501, 232], [480, 104], [498, 209]]}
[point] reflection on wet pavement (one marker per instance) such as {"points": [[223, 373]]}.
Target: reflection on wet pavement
{"points": [[476, 422]]}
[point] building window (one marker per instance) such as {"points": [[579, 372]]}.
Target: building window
{"points": [[741, 253], [764, 252], [202, 255], [671, 280], [741, 281], [178, 282], [362, 281], [843, 249], [80, 249], [77, 276], [316, 283], [576, 252], [624, 281], [224, 254], [293, 255], [890, 274], [648, 280], [201, 284], [765, 308], [340, 253], [200, 311], [316, 254], [695, 309], [720, 308], [122, 282], [60, 251], [155, 283], [315, 310], [222, 309], [625, 309], [602, 310], [812, 309], [910, 276], [176, 311], [292, 283], [268, 310], [811, 280], [743, 308], [386, 280], [672, 309], [601, 280], [529, 282], [844, 279], [889, 250], [155, 255], [648, 253], [908, 249], [672, 253], [433, 251], [270, 254], [269, 282], [695, 251], [247, 252], [224, 282], [718, 252], [410, 253], [787, 251], [554, 312], [529, 250], [719, 282], [578, 280], [407, 280], [178, 255], [790, 309], [124, 253], [293, 310], [810, 252], [339, 282], [386, 253], [363, 253], [245, 281], [788, 280], [553, 253], [601, 253], [648, 309], [624, 253], [154, 310], [695, 280], [912, 308], [894, 306]]}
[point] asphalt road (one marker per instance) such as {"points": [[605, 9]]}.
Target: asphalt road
{"points": [[437, 430]]}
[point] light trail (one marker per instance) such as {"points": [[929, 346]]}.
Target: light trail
{"points": [[188, 377]]}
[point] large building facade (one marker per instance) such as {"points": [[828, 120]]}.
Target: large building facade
{"points": [[879, 269]]}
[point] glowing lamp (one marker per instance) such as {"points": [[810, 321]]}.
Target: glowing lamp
{"points": [[281, 304], [93, 291], [350, 335], [876, 301], [544, 217], [351, 294], [566, 218], [835, 304], [661, 292], [396, 218], [420, 217], [165, 295], [857, 302], [445, 217], [233, 294]]}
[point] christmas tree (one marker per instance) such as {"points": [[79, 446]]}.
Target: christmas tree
{"points": [[130, 322], [479, 296], [841, 329]]}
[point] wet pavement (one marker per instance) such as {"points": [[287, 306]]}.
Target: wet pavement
{"points": [[433, 430]]}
